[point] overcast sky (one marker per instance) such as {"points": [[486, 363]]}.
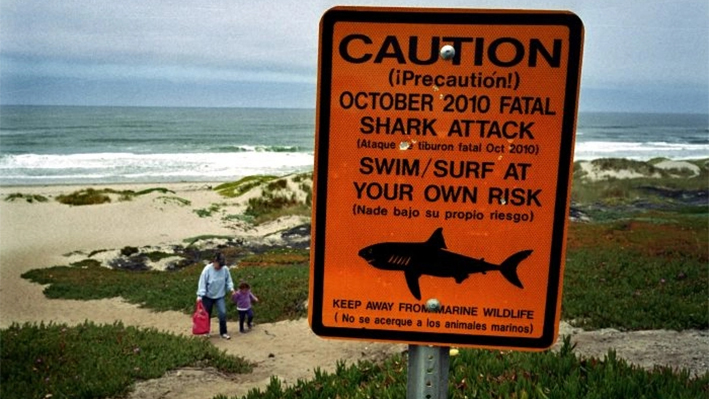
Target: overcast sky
{"points": [[639, 55]]}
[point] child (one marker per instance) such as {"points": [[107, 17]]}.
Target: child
{"points": [[242, 299]]}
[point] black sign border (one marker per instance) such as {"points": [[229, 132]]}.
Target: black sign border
{"points": [[445, 17]]}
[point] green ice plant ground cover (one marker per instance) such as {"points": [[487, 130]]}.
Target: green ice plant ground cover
{"points": [[643, 271], [648, 272], [500, 374], [280, 277], [92, 361], [649, 267]]}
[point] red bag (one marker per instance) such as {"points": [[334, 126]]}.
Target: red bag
{"points": [[200, 320]]}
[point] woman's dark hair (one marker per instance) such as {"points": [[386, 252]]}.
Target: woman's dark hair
{"points": [[218, 257]]}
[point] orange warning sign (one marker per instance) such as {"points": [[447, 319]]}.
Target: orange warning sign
{"points": [[443, 161]]}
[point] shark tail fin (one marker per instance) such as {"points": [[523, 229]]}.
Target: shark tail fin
{"points": [[509, 267]]}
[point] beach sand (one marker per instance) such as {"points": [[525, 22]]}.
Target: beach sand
{"points": [[40, 235], [36, 235]]}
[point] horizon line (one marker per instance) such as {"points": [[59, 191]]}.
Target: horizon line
{"points": [[295, 108]]}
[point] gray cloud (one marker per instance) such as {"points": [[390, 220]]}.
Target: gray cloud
{"points": [[634, 43], [223, 34]]}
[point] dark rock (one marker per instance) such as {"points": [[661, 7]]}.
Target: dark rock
{"points": [[132, 263], [128, 251], [577, 215], [179, 264], [686, 197], [297, 237], [234, 249], [298, 232]]}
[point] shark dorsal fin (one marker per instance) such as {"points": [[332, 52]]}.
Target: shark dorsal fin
{"points": [[436, 240]]}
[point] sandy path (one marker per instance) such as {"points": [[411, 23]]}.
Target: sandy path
{"points": [[39, 235]]}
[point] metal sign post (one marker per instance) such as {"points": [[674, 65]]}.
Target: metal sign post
{"points": [[428, 372]]}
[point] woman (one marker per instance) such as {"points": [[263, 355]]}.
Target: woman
{"points": [[213, 285]]}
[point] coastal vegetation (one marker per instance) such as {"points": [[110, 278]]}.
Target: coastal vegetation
{"points": [[270, 198], [650, 268], [280, 275], [655, 168], [26, 197], [499, 374], [240, 187], [97, 361], [208, 212], [263, 198], [91, 196], [167, 200], [610, 189], [636, 259], [601, 188], [280, 197]]}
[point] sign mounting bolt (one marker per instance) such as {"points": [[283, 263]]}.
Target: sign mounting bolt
{"points": [[433, 305], [447, 52]]}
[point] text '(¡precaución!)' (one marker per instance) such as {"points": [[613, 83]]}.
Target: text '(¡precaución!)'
{"points": [[460, 319]]}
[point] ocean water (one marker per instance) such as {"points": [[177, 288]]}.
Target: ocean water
{"points": [[642, 136], [90, 145], [68, 145]]}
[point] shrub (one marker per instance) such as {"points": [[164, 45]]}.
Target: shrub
{"points": [[88, 196], [174, 200], [27, 197], [279, 184], [238, 188], [92, 196], [207, 212]]}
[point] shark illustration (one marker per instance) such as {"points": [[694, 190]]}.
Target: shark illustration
{"points": [[432, 258]]}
